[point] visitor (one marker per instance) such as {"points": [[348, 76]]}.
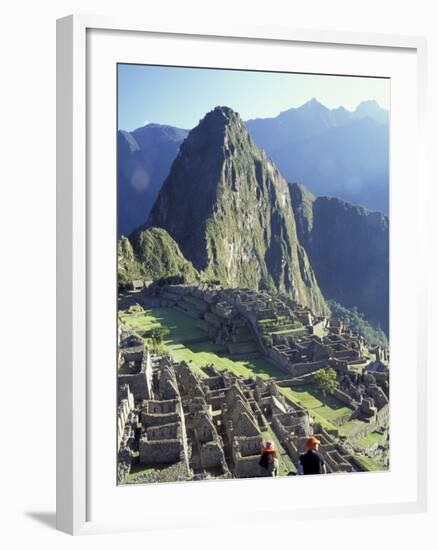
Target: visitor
{"points": [[268, 461], [312, 461]]}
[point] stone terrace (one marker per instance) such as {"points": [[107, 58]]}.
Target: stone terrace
{"points": [[290, 336], [212, 427]]}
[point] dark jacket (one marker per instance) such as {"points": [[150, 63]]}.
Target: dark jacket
{"points": [[312, 462]]}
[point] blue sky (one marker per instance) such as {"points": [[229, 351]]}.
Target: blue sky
{"points": [[181, 96]]}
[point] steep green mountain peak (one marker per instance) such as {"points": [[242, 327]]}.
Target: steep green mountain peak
{"points": [[229, 209]]}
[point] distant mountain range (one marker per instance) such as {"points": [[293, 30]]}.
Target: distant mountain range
{"points": [[334, 152], [144, 157], [226, 213]]}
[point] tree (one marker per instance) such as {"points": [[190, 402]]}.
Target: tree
{"points": [[326, 381]]}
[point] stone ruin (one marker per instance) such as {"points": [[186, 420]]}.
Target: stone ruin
{"points": [[186, 427], [127, 426], [213, 426], [368, 400], [135, 367], [287, 333]]}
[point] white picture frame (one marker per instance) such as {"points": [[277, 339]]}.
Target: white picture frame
{"points": [[75, 215]]}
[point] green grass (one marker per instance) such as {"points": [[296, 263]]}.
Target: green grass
{"points": [[181, 327], [199, 355], [265, 322], [370, 464], [140, 470], [280, 327], [310, 398], [352, 426], [287, 392], [182, 331], [286, 331], [370, 439]]}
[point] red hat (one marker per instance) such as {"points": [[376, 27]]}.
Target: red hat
{"points": [[268, 447], [311, 442]]}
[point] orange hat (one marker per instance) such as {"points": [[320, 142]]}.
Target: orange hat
{"points": [[311, 442], [268, 447]]}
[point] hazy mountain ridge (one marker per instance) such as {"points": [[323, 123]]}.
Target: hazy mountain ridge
{"points": [[333, 151], [296, 124], [144, 159], [348, 247]]}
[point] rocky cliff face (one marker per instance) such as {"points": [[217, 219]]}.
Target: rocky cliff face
{"points": [[229, 209], [348, 247]]}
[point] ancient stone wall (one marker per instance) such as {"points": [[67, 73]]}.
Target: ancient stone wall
{"points": [[247, 446], [167, 384], [160, 451], [284, 424], [212, 455], [149, 419], [137, 383], [344, 398], [124, 410], [337, 463], [248, 466], [146, 367], [378, 421], [294, 369], [139, 378]]}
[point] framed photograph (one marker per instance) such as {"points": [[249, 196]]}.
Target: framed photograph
{"points": [[240, 297]]}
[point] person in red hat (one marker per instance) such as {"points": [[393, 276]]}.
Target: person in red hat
{"points": [[312, 461], [269, 461]]}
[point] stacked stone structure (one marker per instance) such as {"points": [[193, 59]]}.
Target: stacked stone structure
{"points": [[214, 425], [135, 370], [288, 334]]}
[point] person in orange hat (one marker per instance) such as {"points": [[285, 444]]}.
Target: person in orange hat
{"points": [[268, 461], [312, 462]]}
